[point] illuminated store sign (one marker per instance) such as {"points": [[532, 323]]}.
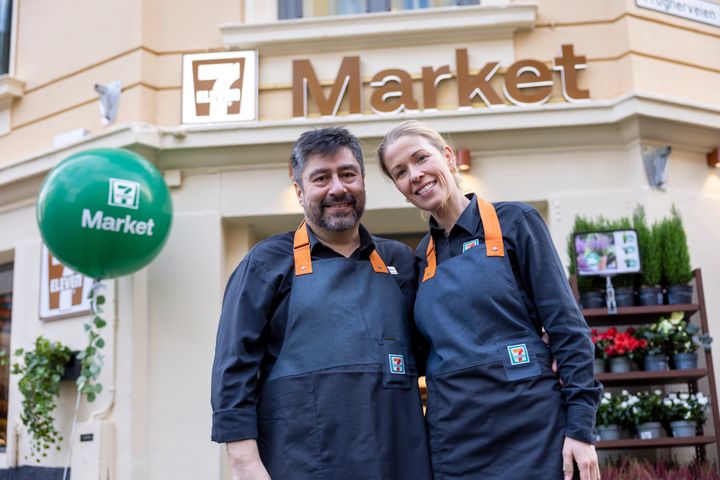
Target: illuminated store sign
{"points": [[525, 83]]}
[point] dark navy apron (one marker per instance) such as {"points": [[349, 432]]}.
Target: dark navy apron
{"points": [[495, 410], [342, 400]]}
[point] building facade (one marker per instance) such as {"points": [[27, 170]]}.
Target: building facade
{"points": [[555, 101]]}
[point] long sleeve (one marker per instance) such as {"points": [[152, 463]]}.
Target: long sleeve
{"points": [[548, 290], [239, 350]]}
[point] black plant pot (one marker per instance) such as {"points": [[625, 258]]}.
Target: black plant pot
{"points": [[680, 294], [592, 299], [624, 297], [72, 369], [651, 296]]}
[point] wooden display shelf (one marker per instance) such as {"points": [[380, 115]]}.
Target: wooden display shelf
{"points": [[632, 315], [655, 442], [651, 378]]}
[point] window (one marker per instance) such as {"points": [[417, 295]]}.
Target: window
{"points": [[5, 24], [288, 9], [6, 278]]}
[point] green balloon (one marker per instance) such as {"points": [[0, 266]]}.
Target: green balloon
{"points": [[104, 212]]}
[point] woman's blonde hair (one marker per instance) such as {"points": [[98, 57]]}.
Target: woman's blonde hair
{"points": [[411, 127]]}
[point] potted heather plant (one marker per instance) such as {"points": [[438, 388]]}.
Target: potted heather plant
{"points": [[648, 412], [686, 412], [651, 292], [676, 259]]}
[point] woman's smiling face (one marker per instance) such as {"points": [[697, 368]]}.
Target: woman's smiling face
{"points": [[421, 172]]}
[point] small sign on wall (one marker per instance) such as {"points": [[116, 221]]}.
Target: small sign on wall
{"points": [[220, 87], [63, 291], [697, 10]]}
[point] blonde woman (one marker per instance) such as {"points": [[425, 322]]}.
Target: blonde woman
{"points": [[490, 281]]}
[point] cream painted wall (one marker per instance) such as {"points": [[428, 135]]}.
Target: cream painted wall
{"points": [[59, 37], [185, 289]]}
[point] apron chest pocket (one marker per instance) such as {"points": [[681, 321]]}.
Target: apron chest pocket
{"points": [[518, 356], [395, 364]]}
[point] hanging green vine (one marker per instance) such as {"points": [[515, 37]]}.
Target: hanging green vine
{"points": [[91, 358], [41, 371]]}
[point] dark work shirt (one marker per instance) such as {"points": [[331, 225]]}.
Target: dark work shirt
{"points": [[254, 315], [544, 288]]}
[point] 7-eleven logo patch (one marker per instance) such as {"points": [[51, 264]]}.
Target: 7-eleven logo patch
{"points": [[518, 354], [397, 364], [468, 245]]}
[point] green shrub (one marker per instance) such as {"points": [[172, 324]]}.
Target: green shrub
{"points": [[649, 245], [675, 254]]}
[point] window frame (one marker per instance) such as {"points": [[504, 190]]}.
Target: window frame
{"points": [[12, 50], [298, 6]]}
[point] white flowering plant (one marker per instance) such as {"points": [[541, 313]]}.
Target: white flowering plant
{"points": [[609, 411], [615, 409], [647, 407], [686, 406]]}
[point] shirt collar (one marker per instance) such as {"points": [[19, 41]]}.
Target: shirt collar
{"points": [[367, 245], [469, 219]]}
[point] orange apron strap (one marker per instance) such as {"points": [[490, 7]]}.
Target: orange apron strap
{"points": [[493, 238], [491, 226], [431, 261], [377, 263], [301, 251], [303, 261]]}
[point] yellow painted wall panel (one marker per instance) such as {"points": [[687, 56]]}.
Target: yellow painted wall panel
{"points": [[168, 25], [56, 37]]}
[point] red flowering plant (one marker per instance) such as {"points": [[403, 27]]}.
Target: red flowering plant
{"points": [[625, 344], [602, 340]]}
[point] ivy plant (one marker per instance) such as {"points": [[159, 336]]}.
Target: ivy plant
{"points": [[40, 372], [91, 358]]}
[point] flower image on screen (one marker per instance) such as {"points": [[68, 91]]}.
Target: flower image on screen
{"points": [[607, 253]]}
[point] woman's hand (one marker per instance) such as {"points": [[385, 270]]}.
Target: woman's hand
{"points": [[584, 455]]}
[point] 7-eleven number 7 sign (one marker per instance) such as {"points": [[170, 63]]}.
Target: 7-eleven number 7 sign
{"points": [[518, 354]]}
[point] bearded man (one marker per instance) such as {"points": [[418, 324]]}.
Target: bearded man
{"points": [[314, 376]]}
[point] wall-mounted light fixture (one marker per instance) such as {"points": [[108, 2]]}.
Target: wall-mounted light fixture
{"points": [[463, 160], [713, 158]]}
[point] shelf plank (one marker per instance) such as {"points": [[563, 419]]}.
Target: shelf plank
{"points": [[655, 442], [633, 315], [651, 378]]}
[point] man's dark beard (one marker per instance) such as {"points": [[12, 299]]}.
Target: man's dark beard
{"points": [[336, 223]]}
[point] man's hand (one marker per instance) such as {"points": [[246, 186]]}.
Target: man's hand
{"points": [[585, 457], [245, 462]]}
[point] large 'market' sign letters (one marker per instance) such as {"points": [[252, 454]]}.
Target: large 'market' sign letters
{"points": [[526, 83]]}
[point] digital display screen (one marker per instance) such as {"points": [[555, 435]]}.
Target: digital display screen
{"points": [[607, 253]]}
